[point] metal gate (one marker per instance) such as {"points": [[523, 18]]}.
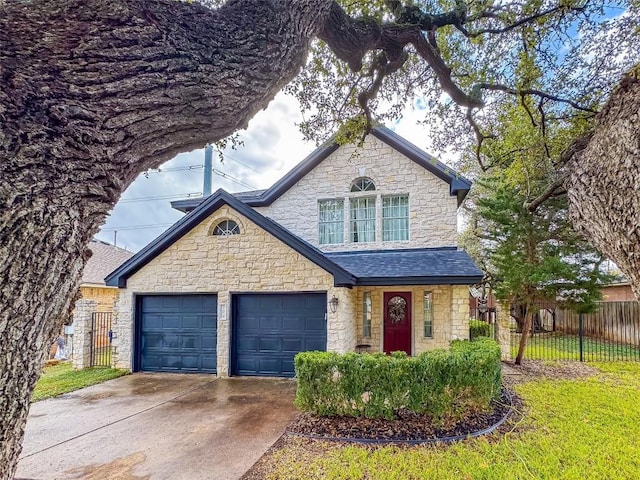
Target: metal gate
{"points": [[101, 336], [612, 333]]}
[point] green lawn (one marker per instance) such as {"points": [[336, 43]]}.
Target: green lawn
{"points": [[555, 346], [573, 429], [62, 378]]}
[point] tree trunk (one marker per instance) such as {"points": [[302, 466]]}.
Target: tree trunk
{"points": [[526, 329], [91, 94], [604, 181]]}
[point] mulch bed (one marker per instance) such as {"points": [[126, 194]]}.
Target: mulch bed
{"points": [[411, 426], [408, 426]]}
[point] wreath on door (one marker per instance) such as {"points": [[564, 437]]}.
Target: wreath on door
{"points": [[397, 309]]}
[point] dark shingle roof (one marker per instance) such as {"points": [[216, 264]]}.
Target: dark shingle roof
{"points": [[416, 266], [105, 259]]}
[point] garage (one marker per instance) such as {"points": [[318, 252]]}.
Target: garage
{"points": [[269, 329], [177, 333]]}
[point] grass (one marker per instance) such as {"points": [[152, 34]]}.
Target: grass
{"points": [[573, 429], [62, 378], [554, 346]]}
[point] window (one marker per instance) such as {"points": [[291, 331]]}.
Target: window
{"points": [[363, 184], [226, 227], [366, 315], [395, 218], [331, 221], [363, 220], [428, 314]]}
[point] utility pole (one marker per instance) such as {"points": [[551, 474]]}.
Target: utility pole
{"points": [[208, 169]]}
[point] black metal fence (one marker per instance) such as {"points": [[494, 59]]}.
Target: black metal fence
{"points": [[482, 322], [611, 333], [101, 336]]}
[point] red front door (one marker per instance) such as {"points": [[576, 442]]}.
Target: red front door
{"points": [[397, 322]]}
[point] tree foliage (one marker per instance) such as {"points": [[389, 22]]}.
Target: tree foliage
{"points": [[533, 256], [559, 58]]}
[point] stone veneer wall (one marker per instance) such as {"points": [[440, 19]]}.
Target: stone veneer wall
{"points": [[450, 315], [253, 261], [432, 211], [105, 297]]}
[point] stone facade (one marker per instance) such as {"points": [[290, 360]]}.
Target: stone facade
{"points": [[503, 324], [82, 333], [450, 321], [253, 261], [432, 211], [105, 297]]}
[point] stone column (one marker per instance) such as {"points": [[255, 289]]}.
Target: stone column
{"points": [[459, 312], [82, 333], [224, 335], [503, 330]]}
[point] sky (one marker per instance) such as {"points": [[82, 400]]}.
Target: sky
{"points": [[272, 146]]}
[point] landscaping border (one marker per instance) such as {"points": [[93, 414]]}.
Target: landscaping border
{"points": [[455, 438]]}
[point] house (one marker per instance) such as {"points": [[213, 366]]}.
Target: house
{"points": [[105, 259], [618, 291], [354, 248]]}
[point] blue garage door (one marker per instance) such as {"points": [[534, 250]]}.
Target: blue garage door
{"points": [[269, 329], [177, 333]]}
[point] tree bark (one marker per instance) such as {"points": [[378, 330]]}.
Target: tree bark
{"points": [[603, 182], [91, 94], [526, 330]]}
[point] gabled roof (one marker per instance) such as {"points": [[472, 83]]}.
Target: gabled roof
{"points": [[415, 266], [105, 259], [458, 185], [119, 276]]}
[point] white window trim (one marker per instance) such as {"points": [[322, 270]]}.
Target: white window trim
{"points": [[382, 218]]}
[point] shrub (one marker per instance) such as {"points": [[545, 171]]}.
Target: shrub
{"points": [[442, 383], [478, 328]]}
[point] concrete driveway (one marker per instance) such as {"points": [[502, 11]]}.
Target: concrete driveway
{"points": [[156, 426]]}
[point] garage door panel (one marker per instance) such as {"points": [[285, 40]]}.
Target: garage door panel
{"points": [[269, 323], [270, 329], [178, 333], [315, 344], [247, 344], [269, 344], [151, 321], [293, 345]]}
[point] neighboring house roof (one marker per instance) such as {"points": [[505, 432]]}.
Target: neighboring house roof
{"points": [[418, 266], [211, 204], [429, 266], [105, 259], [458, 185]]}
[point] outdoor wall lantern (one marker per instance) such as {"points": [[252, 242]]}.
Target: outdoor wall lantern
{"points": [[333, 304]]}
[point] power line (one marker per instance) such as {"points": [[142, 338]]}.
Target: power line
{"points": [[241, 163], [175, 169], [161, 197], [136, 227], [233, 179]]}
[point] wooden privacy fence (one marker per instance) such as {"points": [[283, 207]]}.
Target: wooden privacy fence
{"points": [[617, 322]]}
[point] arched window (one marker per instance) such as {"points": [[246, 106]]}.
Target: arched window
{"points": [[363, 184], [226, 227]]}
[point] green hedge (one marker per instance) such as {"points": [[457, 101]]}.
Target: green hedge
{"points": [[443, 383], [478, 328]]}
